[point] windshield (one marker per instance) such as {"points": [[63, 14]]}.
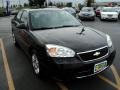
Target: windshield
{"points": [[108, 10], [51, 19]]}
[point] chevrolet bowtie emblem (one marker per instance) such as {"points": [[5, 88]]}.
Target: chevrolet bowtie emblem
{"points": [[96, 54]]}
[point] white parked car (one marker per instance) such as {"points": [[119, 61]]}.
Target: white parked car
{"points": [[108, 13]]}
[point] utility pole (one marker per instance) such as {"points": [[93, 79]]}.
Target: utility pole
{"points": [[19, 3]]}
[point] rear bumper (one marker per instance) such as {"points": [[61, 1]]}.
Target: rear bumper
{"points": [[78, 69]]}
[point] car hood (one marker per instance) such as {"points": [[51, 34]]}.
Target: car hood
{"points": [[72, 38], [83, 12], [108, 12]]}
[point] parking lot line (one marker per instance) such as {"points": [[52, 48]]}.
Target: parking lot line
{"points": [[61, 86], [109, 82], [6, 66], [115, 73]]}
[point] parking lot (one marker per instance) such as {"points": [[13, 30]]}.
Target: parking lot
{"points": [[16, 71]]}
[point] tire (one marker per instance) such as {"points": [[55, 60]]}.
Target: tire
{"points": [[116, 20], [14, 40], [119, 16], [93, 19], [37, 69], [101, 19]]}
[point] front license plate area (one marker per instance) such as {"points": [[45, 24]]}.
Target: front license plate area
{"points": [[100, 66]]}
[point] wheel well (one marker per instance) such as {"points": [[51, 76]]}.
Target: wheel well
{"points": [[30, 50]]}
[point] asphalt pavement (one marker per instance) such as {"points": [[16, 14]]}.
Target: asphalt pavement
{"points": [[16, 70]]}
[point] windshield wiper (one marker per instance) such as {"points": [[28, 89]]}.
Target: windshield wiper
{"points": [[44, 28], [67, 26]]}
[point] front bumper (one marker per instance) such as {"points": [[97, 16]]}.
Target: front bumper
{"points": [[75, 68], [86, 17], [109, 18]]}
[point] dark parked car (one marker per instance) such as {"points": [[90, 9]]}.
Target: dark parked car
{"points": [[59, 45], [87, 13], [98, 10]]}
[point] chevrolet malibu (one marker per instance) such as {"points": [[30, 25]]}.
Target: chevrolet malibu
{"points": [[59, 45]]}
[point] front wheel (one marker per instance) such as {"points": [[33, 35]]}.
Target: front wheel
{"points": [[36, 65], [93, 19], [101, 19]]}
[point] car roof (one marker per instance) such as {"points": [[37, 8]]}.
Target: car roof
{"points": [[88, 7], [41, 9], [107, 7]]}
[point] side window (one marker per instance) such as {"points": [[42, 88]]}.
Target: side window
{"points": [[24, 17], [19, 15]]}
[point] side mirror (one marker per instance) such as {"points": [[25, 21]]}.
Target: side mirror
{"points": [[22, 26]]}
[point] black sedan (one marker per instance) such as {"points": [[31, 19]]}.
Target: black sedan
{"points": [[59, 45]]}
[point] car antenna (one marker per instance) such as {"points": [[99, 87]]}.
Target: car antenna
{"points": [[83, 29]]}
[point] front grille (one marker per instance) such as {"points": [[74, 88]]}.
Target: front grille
{"points": [[110, 15], [93, 54], [86, 14]]}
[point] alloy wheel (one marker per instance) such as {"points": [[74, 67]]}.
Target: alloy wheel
{"points": [[35, 64]]}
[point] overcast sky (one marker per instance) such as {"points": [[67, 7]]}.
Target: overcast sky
{"points": [[26, 1]]}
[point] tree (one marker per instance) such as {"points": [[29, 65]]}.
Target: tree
{"points": [[36, 2], [69, 4], [89, 2], [79, 6], [31, 3], [25, 4], [14, 6], [50, 4]]}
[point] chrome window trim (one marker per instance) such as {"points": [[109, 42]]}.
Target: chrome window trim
{"points": [[93, 51]]}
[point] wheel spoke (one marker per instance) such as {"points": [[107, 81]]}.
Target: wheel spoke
{"points": [[35, 63]]}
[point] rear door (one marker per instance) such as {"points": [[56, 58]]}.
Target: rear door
{"points": [[24, 33]]}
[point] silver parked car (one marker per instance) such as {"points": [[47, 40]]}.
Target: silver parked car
{"points": [[87, 13]]}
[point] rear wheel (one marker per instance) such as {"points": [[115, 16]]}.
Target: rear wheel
{"points": [[14, 40]]}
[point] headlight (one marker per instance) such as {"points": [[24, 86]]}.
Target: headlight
{"points": [[92, 14], [103, 14], [80, 14], [59, 51], [109, 41]]}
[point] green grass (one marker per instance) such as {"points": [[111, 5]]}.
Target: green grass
{"points": [[1, 11]]}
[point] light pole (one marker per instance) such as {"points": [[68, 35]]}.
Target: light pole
{"points": [[19, 2], [2, 3]]}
